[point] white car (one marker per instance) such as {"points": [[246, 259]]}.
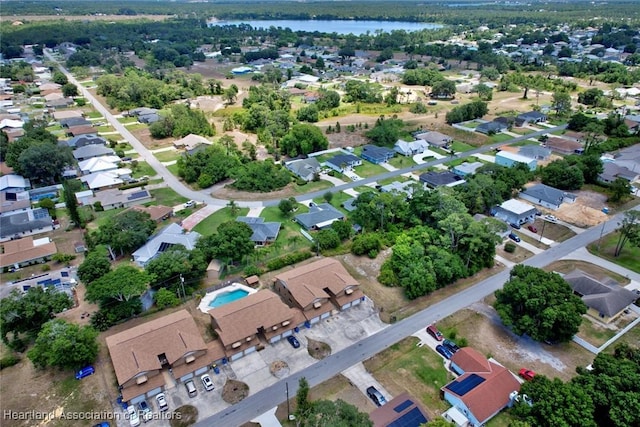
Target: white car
{"points": [[132, 415], [190, 204], [551, 218], [206, 382], [162, 402]]}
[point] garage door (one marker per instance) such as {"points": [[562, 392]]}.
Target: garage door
{"points": [[314, 320], [287, 333], [154, 392], [275, 339], [202, 370], [344, 307], [356, 302], [186, 377], [250, 350], [137, 399], [325, 315], [237, 356]]}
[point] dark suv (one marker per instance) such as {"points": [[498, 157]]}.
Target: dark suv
{"points": [[376, 396]]}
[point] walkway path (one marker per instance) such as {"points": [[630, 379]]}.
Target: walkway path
{"points": [[198, 216]]}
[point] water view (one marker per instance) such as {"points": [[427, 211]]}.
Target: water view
{"points": [[335, 26]]}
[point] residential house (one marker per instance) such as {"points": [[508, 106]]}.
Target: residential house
{"points": [[491, 127], [317, 288], [14, 183], [467, 168], [93, 150], [263, 232], [629, 157], [343, 162], [606, 300], [157, 213], [319, 217], [249, 323], [23, 223], [434, 179], [60, 103], [103, 180], [534, 152], [14, 200], [563, 145], [85, 140], [408, 188], [171, 235], [401, 411], [612, 171], [147, 354], [115, 199], [59, 280], [74, 121], [515, 212], [530, 117], [26, 251], [435, 139], [66, 114], [549, 197], [191, 141], [81, 130], [377, 155], [482, 390], [410, 148], [99, 164], [509, 159], [305, 169]]}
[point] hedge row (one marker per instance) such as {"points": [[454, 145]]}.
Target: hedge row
{"points": [[283, 261]]}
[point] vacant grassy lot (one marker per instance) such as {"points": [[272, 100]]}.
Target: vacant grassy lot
{"points": [[166, 197], [167, 156], [401, 162], [500, 137], [312, 186], [555, 232], [289, 238], [369, 169], [628, 258], [593, 333], [142, 169], [600, 273], [518, 256], [460, 147], [127, 120], [210, 224], [336, 201]]}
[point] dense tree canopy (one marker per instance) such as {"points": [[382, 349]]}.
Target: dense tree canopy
{"points": [[385, 132], [539, 304], [560, 174], [208, 167], [125, 232], [303, 139], [64, 345], [231, 243], [167, 268], [262, 176], [122, 284], [181, 121], [95, 265]]}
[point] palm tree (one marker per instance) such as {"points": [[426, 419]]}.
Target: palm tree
{"points": [[233, 206]]}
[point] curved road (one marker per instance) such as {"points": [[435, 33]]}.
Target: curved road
{"points": [[180, 188], [265, 399]]}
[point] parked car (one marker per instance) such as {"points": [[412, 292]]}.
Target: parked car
{"points": [[376, 396], [145, 411], [190, 204], [532, 229], [102, 424], [527, 374], [450, 345], [132, 415], [206, 382], [550, 218], [434, 332], [192, 391], [85, 372], [161, 400], [444, 351], [514, 237], [515, 225], [293, 341]]}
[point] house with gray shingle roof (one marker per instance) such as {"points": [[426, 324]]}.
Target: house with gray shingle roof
{"points": [[263, 232], [169, 236], [605, 300], [549, 197], [410, 148], [90, 151], [305, 169], [436, 139], [319, 217], [376, 155], [343, 162]]}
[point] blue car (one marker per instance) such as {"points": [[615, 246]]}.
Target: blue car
{"points": [[293, 341], [85, 372], [444, 351], [450, 345]]}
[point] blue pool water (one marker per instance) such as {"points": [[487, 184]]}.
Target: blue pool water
{"points": [[227, 297]]}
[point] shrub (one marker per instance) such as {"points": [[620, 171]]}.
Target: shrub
{"points": [[46, 267], [97, 206], [301, 182], [252, 270], [292, 258], [8, 361], [510, 247]]}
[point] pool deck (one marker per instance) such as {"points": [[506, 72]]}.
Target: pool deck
{"points": [[206, 300]]}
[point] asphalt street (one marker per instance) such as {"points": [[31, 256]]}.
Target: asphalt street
{"points": [[263, 400]]}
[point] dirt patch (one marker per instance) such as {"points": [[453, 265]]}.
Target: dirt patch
{"points": [[279, 369], [224, 191], [82, 311], [596, 271], [234, 391], [188, 416], [318, 349], [586, 211]]}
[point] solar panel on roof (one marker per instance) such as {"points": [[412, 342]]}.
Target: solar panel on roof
{"points": [[404, 405], [465, 386], [64, 273], [413, 418], [137, 195], [40, 213], [164, 246]]}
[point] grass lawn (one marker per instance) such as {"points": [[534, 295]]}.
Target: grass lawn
{"points": [[166, 197], [471, 125], [459, 147], [522, 131], [324, 157], [369, 169], [404, 366], [533, 241], [364, 189], [458, 162], [124, 146], [103, 217], [525, 142], [402, 162], [167, 156], [436, 150], [600, 273], [500, 137], [628, 258], [173, 169], [594, 333], [558, 132], [94, 115], [54, 128], [503, 419], [105, 128], [289, 237], [127, 120], [210, 224], [312, 186], [398, 178], [555, 232], [519, 255], [142, 169], [136, 126]]}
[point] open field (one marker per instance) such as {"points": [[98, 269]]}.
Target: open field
{"points": [[211, 223], [606, 247], [600, 273]]}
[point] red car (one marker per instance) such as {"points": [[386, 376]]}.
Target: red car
{"points": [[532, 229], [434, 332], [527, 374]]}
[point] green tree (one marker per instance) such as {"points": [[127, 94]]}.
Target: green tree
{"points": [[126, 231], [561, 175], [263, 176], [27, 312], [64, 345], [176, 264], [327, 413], [620, 188], [343, 229], [539, 304], [303, 139], [69, 90], [232, 242], [629, 231], [308, 114], [443, 89], [165, 298], [95, 265], [71, 203], [122, 284], [327, 239], [485, 93], [303, 404], [438, 422], [561, 102], [385, 132], [286, 206], [59, 78], [230, 94]]}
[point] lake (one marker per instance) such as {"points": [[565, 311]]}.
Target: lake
{"points": [[337, 26]]}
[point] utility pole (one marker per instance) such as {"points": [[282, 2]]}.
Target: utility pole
{"points": [[288, 409], [544, 222], [184, 295]]}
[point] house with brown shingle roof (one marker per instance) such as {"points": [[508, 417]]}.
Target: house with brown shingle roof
{"points": [[26, 251], [483, 388], [313, 287], [145, 355], [247, 324], [563, 145], [157, 213]]}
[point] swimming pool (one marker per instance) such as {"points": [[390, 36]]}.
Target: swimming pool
{"points": [[227, 297]]}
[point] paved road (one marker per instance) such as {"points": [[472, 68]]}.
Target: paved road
{"points": [[205, 196], [269, 397]]}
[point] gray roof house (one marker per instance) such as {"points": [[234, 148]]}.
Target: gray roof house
{"points": [[74, 121], [611, 171], [91, 151], [376, 154], [13, 182], [410, 148], [605, 300], [304, 168], [491, 127], [319, 216], [435, 179], [263, 232], [530, 117], [534, 152], [24, 223], [436, 139], [514, 212], [467, 168], [342, 162], [407, 188], [169, 236], [546, 196], [83, 140], [114, 198]]}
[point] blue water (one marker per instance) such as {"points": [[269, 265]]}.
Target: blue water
{"points": [[227, 297], [335, 26]]}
